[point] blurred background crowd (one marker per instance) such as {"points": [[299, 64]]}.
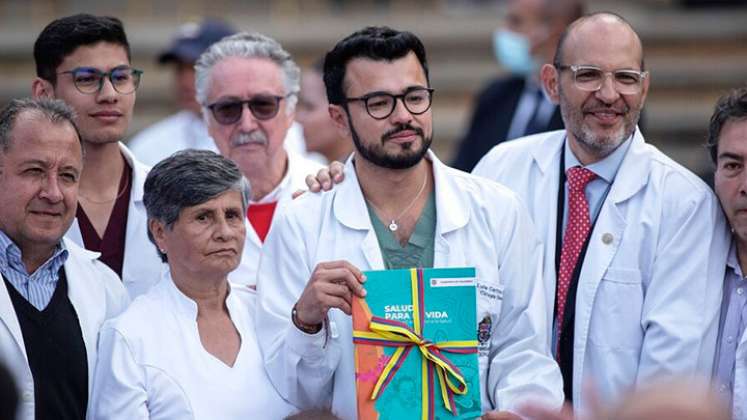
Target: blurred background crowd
{"points": [[695, 50]]}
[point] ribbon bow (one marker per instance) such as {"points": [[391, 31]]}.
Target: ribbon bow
{"points": [[389, 333]]}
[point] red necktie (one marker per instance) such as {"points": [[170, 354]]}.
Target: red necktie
{"points": [[576, 230]]}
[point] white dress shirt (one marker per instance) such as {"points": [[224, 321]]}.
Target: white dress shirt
{"points": [[153, 365]]}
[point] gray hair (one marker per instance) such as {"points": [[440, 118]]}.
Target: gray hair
{"points": [[54, 110], [189, 178], [248, 45]]}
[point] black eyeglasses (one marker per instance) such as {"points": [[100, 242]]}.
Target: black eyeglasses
{"points": [[90, 80], [263, 107], [380, 105]]}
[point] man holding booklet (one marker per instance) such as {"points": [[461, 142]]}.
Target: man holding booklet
{"points": [[400, 207]]}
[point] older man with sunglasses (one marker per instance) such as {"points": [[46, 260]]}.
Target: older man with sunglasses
{"points": [[247, 86]]}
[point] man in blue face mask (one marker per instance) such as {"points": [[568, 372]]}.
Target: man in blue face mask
{"points": [[514, 105]]}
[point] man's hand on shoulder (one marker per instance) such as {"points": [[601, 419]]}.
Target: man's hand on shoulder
{"points": [[326, 178]]}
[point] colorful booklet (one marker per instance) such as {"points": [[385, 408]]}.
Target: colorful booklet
{"points": [[416, 345]]}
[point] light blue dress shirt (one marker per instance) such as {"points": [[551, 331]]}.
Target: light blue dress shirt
{"points": [[38, 287], [597, 189], [731, 326]]}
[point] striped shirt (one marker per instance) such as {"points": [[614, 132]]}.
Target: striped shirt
{"points": [[38, 287]]}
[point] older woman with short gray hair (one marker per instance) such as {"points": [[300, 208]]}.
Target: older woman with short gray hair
{"points": [[187, 349]]}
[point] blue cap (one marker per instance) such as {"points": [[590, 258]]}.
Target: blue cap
{"points": [[193, 39]]}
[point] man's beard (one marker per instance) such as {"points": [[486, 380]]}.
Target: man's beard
{"points": [[600, 145], [376, 154]]}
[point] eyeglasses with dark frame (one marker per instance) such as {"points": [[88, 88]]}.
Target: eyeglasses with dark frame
{"points": [[90, 80], [591, 78], [380, 105], [263, 107]]}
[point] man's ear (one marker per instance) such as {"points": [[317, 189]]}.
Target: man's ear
{"points": [[41, 88], [339, 119], [550, 80]]}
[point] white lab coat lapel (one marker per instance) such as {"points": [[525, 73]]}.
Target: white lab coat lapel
{"points": [[137, 220], [10, 322], [544, 193], [88, 306], [631, 177], [451, 215], [349, 208]]}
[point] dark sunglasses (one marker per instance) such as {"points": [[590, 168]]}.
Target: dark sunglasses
{"points": [[262, 107]]}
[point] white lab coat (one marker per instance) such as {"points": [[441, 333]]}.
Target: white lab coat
{"points": [[142, 267], [96, 294], [295, 179], [649, 292], [478, 223]]}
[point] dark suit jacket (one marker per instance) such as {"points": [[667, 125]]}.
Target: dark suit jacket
{"points": [[491, 120]]}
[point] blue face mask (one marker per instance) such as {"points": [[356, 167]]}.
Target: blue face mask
{"points": [[512, 51]]}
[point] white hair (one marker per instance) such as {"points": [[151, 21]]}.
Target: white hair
{"points": [[248, 45]]}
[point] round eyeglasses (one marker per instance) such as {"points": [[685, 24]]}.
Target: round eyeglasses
{"points": [[263, 107], [90, 80], [591, 78], [380, 105]]}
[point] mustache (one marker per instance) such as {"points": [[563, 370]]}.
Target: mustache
{"points": [[602, 107], [252, 137], [400, 128]]}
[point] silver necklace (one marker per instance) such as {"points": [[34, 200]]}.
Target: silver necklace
{"points": [[393, 226]]}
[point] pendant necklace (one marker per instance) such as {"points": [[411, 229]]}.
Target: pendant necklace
{"points": [[393, 226]]}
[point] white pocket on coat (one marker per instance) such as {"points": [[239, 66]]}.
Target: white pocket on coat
{"points": [[616, 314]]}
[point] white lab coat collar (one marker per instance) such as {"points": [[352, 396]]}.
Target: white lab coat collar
{"points": [[451, 214], [636, 161], [139, 172], [80, 298], [546, 155], [186, 307]]}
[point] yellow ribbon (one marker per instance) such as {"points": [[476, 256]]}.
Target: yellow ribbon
{"points": [[391, 333]]}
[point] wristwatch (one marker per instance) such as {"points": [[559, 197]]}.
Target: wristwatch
{"points": [[307, 328]]}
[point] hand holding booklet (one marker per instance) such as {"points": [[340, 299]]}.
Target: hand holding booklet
{"points": [[416, 345]]}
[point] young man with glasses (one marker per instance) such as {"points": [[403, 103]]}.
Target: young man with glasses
{"points": [[401, 208], [634, 245], [85, 61], [247, 86]]}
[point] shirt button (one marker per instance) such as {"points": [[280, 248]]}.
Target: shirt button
{"points": [[740, 291], [607, 238], [28, 396], [723, 388], [730, 339]]}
